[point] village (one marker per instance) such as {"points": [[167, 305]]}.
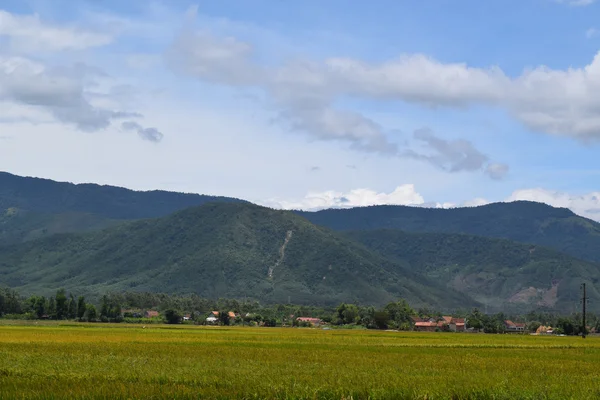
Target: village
{"points": [[418, 324]]}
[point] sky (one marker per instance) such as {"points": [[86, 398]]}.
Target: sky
{"points": [[308, 104]]}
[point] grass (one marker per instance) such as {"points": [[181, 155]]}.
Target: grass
{"points": [[51, 361]]}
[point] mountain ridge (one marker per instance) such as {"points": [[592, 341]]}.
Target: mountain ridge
{"points": [[220, 250], [520, 221], [113, 202]]}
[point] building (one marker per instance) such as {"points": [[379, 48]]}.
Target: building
{"points": [[426, 326], [445, 323], [213, 318], [309, 320], [151, 314], [510, 326], [544, 330], [458, 325]]}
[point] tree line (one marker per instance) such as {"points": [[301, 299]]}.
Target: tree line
{"points": [[399, 315]]}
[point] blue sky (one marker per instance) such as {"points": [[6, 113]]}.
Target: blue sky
{"points": [[303, 104]]}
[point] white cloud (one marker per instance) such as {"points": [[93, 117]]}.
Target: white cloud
{"points": [[303, 94], [587, 205], [61, 92], [558, 102], [27, 33], [402, 195]]}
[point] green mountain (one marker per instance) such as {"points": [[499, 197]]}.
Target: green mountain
{"points": [[17, 226], [50, 197], [499, 273], [220, 250], [521, 221]]}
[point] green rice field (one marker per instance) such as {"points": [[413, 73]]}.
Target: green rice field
{"points": [[89, 361]]}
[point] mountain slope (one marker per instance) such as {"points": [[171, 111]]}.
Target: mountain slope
{"points": [[503, 274], [17, 226], [51, 197], [220, 250], [521, 221]]}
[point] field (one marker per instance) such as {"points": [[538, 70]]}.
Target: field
{"points": [[124, 361]]}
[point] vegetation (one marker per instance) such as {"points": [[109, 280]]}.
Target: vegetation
{"points": [[170, 309], [83, 361], [521, 221], [56, 235], [17, 226], [221, 250], [49, 197], [499, 273]]}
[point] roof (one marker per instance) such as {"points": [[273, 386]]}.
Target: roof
{"points": [[152, 313], [215, 313], [231, 314], [458, 321], [508, 322], [426, 324], [447, 319], [309, 319]]}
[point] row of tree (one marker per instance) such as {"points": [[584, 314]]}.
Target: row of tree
{"points": [[396, 315]]}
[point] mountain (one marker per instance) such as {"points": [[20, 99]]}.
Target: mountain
{"points": [[17, 226], [220, 250], [50, 197], [500, 273], [521, 221]]}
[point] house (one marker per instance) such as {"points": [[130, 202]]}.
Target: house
{"points": [[151, 314], [544, 330], [231, 314], [426, 326], [457, 325], [187, 317], [312, 321], [213, 318], [433, 324], [510, 326]]}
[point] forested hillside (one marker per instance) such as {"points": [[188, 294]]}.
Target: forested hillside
{"points": [[220, 250], [502, 274], [50, 197], [521, 221]]}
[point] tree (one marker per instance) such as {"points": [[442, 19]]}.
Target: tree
{"points": [[10, 302], [400, 312], [104, 308], [172, 316], [72, 307], [348, 313], [52, 307], [381, 319], [61, 304], [90, 314], [37, 305], [81, 307], [224, 318]]}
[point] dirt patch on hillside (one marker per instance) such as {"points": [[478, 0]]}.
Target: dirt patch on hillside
{"points": [[542, 297], [526, 295]]}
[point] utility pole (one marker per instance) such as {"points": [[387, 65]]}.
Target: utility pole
{"points": [[583, 303]]}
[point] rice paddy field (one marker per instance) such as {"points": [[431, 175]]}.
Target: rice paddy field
{"points": [[89, 361]]}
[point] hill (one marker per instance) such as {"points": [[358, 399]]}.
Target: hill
{"points": [[46, 196], [499, 273], [220, 250], [521, 221], [17, 226]]}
